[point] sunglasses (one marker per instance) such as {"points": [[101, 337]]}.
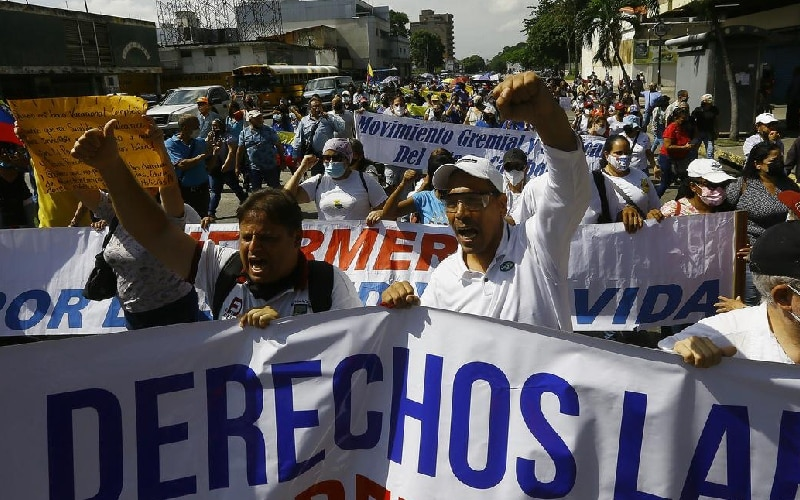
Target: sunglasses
{"points": [[472, 202]]}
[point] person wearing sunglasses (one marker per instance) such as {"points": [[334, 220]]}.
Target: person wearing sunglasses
{"points": [[512, 272], [339, 193], [703, 192], [769, 331]]}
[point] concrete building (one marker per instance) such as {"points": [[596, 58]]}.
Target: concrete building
{"points": [[762, 40], [51, 52], [442, 26], [362, 33]]}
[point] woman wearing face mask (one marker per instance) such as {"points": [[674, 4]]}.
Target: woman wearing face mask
{"points": [[339, 193], [756, 192], [630, 197], [398, 107], [702, 193]]}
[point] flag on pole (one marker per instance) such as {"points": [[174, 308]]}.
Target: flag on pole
{"points": [[86, 6], [7, 125], [370, 73]]}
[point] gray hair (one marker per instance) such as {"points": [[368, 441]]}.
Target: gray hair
{"points": [[764, 283]]}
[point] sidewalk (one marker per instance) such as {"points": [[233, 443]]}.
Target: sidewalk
{"points": [[729, 152]]}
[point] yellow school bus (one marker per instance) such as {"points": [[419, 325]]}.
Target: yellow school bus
{"points": [[266, 84]]}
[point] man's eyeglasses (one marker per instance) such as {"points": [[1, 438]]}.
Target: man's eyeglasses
{"points": [[514, 165], [793, 289], [332, 158], [472, 202]]}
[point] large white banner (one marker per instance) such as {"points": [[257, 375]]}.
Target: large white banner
{"points": [[668, 273], [408, 142], [418, 404]]}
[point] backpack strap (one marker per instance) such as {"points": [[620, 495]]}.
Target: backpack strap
{"points": [[600, 183], [227, 277], [320, 285]]}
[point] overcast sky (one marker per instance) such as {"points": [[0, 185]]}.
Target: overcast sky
{"points": [[481, 27]]}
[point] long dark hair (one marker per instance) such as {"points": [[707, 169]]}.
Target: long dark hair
{"points": [[757, 155]]}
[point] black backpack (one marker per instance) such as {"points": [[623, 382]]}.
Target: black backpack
{"points": [[320, 284]]}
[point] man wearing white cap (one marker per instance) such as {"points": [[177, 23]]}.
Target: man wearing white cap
{"points": [[260, 144], [516, 273], [704, 117], [766, 130]]}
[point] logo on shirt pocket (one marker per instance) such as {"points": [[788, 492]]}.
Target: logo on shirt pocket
{"points": [[506, 266]]}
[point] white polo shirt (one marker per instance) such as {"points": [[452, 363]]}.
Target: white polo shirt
{"points": [[291, 302], [746, 329], [527, 281]]}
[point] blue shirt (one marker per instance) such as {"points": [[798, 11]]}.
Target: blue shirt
{"points": [[233, 127], [260, 144], [429, 207], [179, 150]]}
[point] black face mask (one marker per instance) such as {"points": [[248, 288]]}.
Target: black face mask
{"points": [[776, 168]]}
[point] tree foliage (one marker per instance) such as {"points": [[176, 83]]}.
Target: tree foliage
{"points": [[426, 50], [551, 32], [398, 24], [473, 64], [518, 53]]}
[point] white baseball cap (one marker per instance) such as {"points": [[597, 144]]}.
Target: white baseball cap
{"points": [[766, 118], [709, 170], [472, 165]]}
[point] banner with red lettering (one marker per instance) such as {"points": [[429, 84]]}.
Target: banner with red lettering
{"points": [[665, 274], [378, 404]]}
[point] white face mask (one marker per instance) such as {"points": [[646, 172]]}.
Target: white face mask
{"points": [[514, 177], [620, 163]]}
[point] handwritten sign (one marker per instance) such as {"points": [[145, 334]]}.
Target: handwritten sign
{"points": [[50, 128]]}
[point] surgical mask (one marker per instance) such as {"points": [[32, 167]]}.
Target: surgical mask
{"points": [[514, 177], [398, 109], [277, 118], [619, 163], [195, 134], [712, 197], [334, 169]]}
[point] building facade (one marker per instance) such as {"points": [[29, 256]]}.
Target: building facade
{"points": [[51, 52], [440, 25]]}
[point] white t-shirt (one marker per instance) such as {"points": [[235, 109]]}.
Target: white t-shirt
{"points": [[344, 199], [746, 329], [639, 150], [614, 125], [291, 302], [527, 282], [637, 186]]}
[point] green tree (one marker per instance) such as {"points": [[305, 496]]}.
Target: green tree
{"points": [[398, 22], [519, 53], [426, 50], [552, 33], [473, 64]]}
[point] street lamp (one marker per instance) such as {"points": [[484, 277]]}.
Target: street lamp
{"points": [[660, 30]]}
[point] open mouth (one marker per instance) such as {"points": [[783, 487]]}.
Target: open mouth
{"points": [[256, 265], [467, 233]]}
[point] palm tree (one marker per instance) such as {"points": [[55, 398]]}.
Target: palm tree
{"points": [[605, 21]]}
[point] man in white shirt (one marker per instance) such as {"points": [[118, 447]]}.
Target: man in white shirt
{"points": [[766, 130], [516, 273], [767, 332]]}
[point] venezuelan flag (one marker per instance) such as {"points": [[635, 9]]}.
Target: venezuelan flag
{"points": [[7, 125], [370, 73]]}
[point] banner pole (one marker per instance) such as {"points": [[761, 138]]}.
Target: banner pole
{"points": [[739, 241]]}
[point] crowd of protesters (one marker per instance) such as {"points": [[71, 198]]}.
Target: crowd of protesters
{"points": [[618, 147]]}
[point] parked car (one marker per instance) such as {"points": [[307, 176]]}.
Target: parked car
{"points": [[183, 100], [325, 88]]}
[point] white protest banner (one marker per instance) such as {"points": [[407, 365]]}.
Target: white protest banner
{"points": [[416, 404], [43, 273], [408, 142], [668, 273]]}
